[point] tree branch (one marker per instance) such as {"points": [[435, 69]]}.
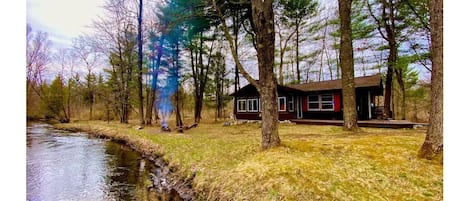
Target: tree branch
{"points": [[377, 20], [422, 21], [231, 42]]}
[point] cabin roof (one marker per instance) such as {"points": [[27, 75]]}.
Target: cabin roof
{"points": [[360, 82], [250, 89]]}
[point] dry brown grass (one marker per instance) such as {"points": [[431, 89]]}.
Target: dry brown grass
{"points": [[313, 163]]}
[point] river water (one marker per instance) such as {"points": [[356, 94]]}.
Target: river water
{"points": [[63, 165]]}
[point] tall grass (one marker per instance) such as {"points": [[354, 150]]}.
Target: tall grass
{"points": [[313, 162]]}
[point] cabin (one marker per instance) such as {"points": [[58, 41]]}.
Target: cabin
{"points": [[315, 100]]}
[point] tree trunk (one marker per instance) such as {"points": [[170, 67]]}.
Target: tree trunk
{"points": [[338, 70], [219, 77], [401, 83], [154, 80], [283, 48], [432, 147], [330, 66], [263, 21], [217, 93], [280, 67], [346, 62], [324, 49], [199, 92], [179, 123], [90, 95], [389, 79], [128, 74], [150, 102], [298, 74], [91, 111], [69, 96], [140, 63], [263, 26], [392, 58], [236, 30]]}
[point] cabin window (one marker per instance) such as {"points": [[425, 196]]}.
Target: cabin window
{"points": [[282, 104], [326, 102], [321, 102], [253, 105], [242, 105], [291, 105], [313, 102]]}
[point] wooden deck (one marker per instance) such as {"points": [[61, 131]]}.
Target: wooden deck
{"points": [[368, 123]]}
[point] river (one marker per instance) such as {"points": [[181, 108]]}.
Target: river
{"points": [[64, 165]]}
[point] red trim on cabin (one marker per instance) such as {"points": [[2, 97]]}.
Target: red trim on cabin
{"points": [[336, 102], [305, 103]]}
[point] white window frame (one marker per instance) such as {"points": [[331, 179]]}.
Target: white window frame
{"points": [[285, 101], [239, 104], [292, 101], [331, 102], [320, 102], [251, 102]]}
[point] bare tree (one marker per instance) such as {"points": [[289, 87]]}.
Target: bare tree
{"points": [[140, 63], [88, 55], [37, 56], [295, 12], [37, 59], [200, 71], [283, 44], [67, 60], [116, 38]]}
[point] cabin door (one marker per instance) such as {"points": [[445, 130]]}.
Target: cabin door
{"points": [[363, 105], [299, 108]]}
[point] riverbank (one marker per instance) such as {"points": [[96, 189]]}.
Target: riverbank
{"points": [[314, 162], [166, 179]]}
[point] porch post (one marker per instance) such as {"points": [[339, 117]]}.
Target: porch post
{"points": [[297, 108], [369, 105]]}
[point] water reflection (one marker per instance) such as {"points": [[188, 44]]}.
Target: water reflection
{"points": [[73, 166]]}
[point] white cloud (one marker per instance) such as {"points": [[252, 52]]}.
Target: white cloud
{"points": [[63, 19]]}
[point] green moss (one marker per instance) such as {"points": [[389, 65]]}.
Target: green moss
{"points": [[312, 163]]}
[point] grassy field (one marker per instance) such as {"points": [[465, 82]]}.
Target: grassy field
{"points": [[313, 163]]}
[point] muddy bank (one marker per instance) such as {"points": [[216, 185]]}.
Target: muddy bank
{"points": [[164, 179]]}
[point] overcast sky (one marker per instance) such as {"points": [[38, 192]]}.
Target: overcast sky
{"points": [[63, 20]]}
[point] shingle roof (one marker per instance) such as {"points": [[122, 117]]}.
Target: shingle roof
{"points": [[366, 81], [250, 88], [360, 82]]}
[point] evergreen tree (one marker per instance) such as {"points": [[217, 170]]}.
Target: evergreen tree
{"points": [[55, 100], [295, 13]]}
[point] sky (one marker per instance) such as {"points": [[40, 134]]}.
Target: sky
{"points": [[63, 20]]}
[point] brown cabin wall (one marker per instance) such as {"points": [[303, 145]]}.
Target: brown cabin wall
{"points": [[282, 116], [336, 114], [248, 116], [256, 116]]}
